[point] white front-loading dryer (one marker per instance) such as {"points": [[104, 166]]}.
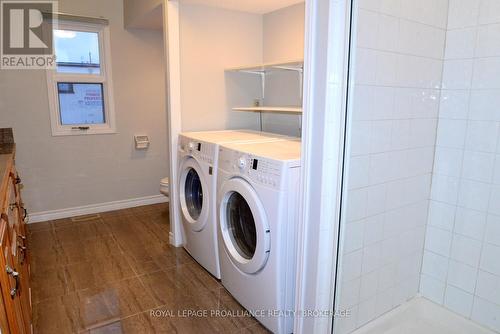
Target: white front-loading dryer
{"points": [[258, 189], [198, 156]]}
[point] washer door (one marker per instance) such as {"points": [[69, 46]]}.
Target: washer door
{"points": [[243, 224], [193, 195]]}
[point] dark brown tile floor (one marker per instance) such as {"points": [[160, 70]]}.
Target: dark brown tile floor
{"points": [[116, 273]]}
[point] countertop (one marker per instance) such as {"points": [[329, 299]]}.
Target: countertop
{"points": [[7, 150]]}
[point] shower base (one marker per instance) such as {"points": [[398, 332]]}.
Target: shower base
{"points": [[420, 316]]}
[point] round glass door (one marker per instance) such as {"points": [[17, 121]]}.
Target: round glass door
{"points": [[245, 231], [193, 191], [241, 225]]}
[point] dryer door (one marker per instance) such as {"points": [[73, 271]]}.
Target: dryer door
{"points": [[243, 225], [193, 188]]}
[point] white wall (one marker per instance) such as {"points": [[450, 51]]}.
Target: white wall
{"points": [[144, 14], [461, 268], [283, 38], [284, 34], [211, 40], [391, 137], [65, 172]]}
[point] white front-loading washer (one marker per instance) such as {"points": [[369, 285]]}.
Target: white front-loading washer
{"points": [[258, 190], [198, 155]]}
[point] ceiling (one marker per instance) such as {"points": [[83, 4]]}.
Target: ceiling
{"points": [[251, 6], [154, 19]]}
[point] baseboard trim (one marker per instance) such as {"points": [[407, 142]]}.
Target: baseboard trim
{"points": [[95, 208]]}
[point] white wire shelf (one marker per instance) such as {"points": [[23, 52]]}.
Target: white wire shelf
{"points": [[296, 65], [272, 109]]}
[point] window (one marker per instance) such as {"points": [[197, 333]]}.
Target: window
{"points": [[80, 89]]}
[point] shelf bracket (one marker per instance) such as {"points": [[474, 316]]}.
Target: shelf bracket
{"points": [[260, 121], [263, 85], [301, 84]]}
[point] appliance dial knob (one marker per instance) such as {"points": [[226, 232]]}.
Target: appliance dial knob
{"points": [[191, 146], [242, 162]]}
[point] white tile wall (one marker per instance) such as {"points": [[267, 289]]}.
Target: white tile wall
{"points": [[435, 265], [457, 73], [483, 106], [462, 276], [486, 313], [463, 13], [423, 206], [488, 44], [492, 234], [488, 286], [489, 12], [486, 72], [432, 288], [458, 301], [454, 104], [465, 198], [460, 43], [399, 62], [489, 259], [451, 133], [470, 223], [425, 160]]}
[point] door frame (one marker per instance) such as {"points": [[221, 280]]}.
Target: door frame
{"points": [[171, 44], [328, 28]]}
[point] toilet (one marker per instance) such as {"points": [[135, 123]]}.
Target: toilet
{"points": [[164, 187]]}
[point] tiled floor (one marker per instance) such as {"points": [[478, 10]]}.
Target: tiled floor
{"points": [[109, 273]]}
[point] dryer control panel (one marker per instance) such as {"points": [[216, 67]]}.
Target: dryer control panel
{"points": [[260, 170], [199, 149]]}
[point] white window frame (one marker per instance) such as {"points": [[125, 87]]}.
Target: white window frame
{"points": [[104, 78]]}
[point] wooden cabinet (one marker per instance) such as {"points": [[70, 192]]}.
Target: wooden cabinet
{"points": [[20, 248], [14, 257], [10, 281], [4, 322]]}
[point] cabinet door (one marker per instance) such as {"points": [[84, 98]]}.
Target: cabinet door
{"points": [[12, 209], [15, 182], [19, 252], [23, 289], [10, 281], [4, 322], [19, 216]]}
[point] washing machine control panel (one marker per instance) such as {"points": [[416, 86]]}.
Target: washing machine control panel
{"points": [[198, 149], [265, 171], [260, 170]]}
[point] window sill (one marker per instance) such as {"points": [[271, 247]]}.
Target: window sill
{"points": [[73, 132]]}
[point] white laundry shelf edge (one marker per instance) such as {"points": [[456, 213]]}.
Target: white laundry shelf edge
{"points": [[289, 110], [293, 65]]}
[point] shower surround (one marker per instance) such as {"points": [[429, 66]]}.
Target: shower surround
{"points": [[423, 181]]}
